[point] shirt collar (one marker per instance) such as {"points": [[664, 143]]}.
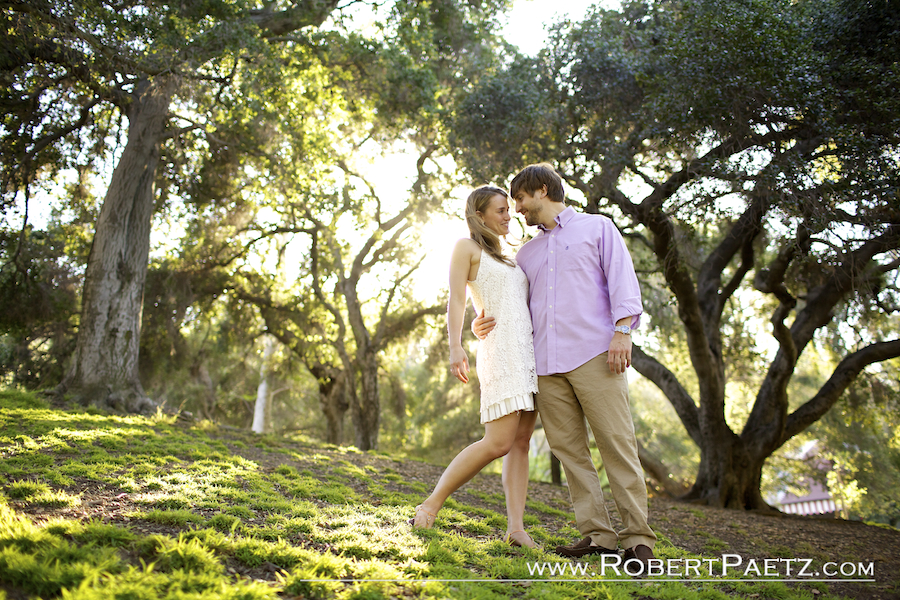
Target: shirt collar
{"points": [[561, 219]]}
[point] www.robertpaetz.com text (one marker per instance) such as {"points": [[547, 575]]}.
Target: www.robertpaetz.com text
{"points": [[725, 566]]}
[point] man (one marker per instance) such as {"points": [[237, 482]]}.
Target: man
{"points": [[585, 301]]}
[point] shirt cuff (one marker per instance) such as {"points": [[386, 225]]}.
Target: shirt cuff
{"points": [[629, 309]]}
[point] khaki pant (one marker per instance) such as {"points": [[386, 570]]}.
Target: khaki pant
{"points": [[594, 392]]}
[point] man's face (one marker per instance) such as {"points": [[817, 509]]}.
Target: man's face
{"points": [[530, 205]]}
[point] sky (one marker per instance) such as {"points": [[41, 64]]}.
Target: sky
{"points": [[528, 19]]}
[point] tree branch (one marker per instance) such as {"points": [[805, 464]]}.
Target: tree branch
{"points": [[666, 381], [382, 318], [385, 248], [660, 473], [301, 14], [739, 237], [822, 299], [768, 422], [399, 326], [316, 281], [845, 373], [747, 261]]}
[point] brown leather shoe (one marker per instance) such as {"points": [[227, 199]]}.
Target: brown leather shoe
{"points": [[583, 548], [641, 553]]}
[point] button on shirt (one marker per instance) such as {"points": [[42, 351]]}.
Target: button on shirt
{"points": [[581, 282]]}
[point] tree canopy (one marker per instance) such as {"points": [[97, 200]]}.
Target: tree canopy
{"points": [[204, 164], [749, 151], [230, 131]]}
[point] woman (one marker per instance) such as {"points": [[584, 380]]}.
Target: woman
{"points": [[505, 365]]}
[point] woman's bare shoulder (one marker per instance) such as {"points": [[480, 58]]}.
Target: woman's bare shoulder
{"points": [[467, 246]]}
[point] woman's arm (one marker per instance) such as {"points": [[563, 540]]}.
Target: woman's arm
{"points": [[460, 265]]}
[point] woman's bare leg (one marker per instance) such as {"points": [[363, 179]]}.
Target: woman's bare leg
{"points": [[515, 478], [499, 437]]}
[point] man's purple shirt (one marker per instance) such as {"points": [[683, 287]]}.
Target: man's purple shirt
{"points": [[581, 281]]}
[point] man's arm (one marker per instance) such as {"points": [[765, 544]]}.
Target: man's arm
{"points": [[624, 294], [623, 285], [619, 356]]}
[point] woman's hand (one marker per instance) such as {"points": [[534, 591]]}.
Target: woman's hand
{"points": [[482, 325], [459, 364]]}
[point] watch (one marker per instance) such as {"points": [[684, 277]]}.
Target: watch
{"points": [[623, 329]]}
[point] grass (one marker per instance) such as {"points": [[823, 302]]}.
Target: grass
{"points": [[195, 512]]}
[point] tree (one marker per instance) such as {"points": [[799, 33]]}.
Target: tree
{"points": [[67, 67], [261, 407], [749, 153], [350, 301], [37, 303], [340, 330], [858, 443]]}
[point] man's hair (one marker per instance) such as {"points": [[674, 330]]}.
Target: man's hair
{"points": [[533, 177]]}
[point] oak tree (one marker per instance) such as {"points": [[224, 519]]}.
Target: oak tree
{"points": [[748, 151], [70, 69]]}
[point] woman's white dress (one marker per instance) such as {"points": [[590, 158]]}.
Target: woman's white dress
{"points": [[505, 358]]}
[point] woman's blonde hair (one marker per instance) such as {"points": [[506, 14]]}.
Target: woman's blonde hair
{"points": [[478, 202]]}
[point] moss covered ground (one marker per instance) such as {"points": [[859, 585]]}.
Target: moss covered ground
{"points": [[98, 506]]}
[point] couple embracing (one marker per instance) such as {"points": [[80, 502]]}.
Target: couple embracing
{"points": [[555, 326]]}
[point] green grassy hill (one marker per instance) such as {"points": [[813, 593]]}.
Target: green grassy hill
{"points": [[102, 506]]}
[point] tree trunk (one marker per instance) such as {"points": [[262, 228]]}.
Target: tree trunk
{"points": [[366, 409], [728, 477], [104, 370], [334, 403], [660, 473], [262, 391], [555, 471]]}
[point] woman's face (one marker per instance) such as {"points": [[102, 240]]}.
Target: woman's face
{"points": [[496, 215]]}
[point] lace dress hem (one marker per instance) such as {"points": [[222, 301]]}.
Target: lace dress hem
{"points": [[507, 406]]}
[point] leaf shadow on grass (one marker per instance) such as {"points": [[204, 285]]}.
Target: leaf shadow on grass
{"points": [[166, 508]]}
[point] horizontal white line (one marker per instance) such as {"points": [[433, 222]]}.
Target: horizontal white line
{"points": [[595, 580]]}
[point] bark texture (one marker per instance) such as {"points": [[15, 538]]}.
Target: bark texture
{"points": [[333, 400], [104, 369], [366, 412]]}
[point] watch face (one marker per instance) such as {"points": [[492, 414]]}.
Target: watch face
{"points": [[623, 329]]}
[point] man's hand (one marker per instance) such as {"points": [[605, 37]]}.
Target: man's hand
{"points": [[619, 356], [483, 325]]}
